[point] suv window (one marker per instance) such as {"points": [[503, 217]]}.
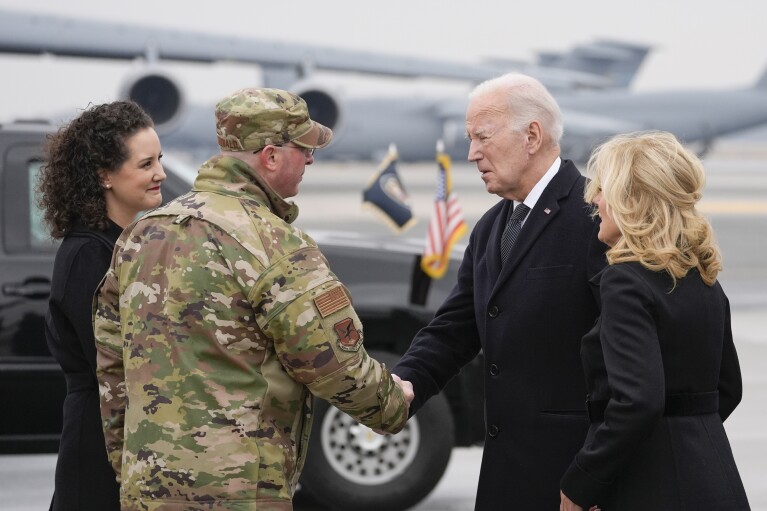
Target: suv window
{"points": [[24, 230], [39, 235]]}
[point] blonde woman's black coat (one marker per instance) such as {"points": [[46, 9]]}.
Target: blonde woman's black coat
{"points": [[662, 374]]}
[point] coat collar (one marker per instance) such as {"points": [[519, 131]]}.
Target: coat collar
{"points": [[596, 280], [545, 210], [109, 235]]}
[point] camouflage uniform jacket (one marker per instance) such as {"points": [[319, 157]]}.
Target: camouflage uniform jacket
{"points": [[215, 325]]}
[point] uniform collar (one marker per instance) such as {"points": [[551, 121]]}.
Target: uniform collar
{"points": [[229, 176]]}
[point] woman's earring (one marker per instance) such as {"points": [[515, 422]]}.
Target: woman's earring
{"points": [[107, 186]]}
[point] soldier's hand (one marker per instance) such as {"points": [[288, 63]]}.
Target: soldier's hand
{"points": [[407, 388]]}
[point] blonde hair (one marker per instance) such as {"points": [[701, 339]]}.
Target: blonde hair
{"points": [[651, 185]]}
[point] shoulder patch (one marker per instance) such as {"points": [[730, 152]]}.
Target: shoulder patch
{"points": [[331, 301], [348, 336]]}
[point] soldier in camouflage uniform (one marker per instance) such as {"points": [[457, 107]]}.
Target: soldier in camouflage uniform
{"points": [[218, 322]]}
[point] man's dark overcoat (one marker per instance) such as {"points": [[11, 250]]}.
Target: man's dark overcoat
{"points": [[528, 317]]}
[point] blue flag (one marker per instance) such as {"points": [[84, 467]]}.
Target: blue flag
{"points": [[387, 195]]}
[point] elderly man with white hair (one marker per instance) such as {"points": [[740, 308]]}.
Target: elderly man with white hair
{"points": [[522, 298]]}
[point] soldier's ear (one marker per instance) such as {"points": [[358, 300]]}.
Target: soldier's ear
{"points": [[269, 157]]}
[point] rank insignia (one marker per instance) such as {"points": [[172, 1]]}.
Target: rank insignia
{"points": [[348, 336]]}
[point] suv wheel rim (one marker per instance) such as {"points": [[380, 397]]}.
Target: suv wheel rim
{"points": [[362, 456]]}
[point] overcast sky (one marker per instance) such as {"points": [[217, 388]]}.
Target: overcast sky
{"points": [[698, 44]]}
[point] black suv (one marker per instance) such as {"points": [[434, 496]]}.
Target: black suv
{"points": [[349, 466]]}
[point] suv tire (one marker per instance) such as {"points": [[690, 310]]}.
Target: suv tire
{"points": [[349, 467]]}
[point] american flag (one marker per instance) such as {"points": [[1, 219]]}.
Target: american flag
{"points": [[447, 224]]}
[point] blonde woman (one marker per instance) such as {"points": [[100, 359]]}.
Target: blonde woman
{"points": [[660, 364]]}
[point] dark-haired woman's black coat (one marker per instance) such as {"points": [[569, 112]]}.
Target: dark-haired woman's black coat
{"points": [[662, 375], [84, 478]]}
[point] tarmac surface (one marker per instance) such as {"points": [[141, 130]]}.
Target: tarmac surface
{"points": [[26, 481]]}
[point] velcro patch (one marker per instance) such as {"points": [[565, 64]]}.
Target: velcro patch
{"points": [[331, 301], [348, 336]]}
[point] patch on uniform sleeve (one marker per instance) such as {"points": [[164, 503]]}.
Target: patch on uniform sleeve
{"points": [[348, 336], [331, 301]]}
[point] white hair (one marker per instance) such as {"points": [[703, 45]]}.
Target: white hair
{"points": [[528, 101]]}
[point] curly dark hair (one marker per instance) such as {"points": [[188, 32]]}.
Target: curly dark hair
{"points": [[69, 186]]}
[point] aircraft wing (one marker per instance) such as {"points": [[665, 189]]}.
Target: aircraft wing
{"points": [[28, 33], [283, 63]]}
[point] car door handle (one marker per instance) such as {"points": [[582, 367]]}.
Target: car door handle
{"points": [[34, 288]]}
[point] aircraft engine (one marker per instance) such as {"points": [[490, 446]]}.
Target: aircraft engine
{"points": [[364, 127], [159, 94], [324, 107]]}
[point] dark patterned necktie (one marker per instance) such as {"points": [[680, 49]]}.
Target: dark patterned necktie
{"points": [[511, 231]]}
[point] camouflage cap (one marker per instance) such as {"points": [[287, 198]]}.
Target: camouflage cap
{"points": [[253, 118]]}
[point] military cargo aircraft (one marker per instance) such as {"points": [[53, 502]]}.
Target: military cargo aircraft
{"points": [[601, 64], [590, 82]]}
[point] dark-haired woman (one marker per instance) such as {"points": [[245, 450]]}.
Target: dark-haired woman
{"points": [[102, 170]]}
